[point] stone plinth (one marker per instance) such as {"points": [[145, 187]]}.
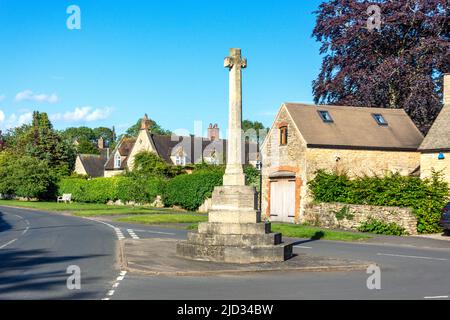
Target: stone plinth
{"points": [[234, 233]]}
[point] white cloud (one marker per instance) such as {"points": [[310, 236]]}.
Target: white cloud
{"points": [[2, 97], [14, 120], [28, 95], [83, 114]]}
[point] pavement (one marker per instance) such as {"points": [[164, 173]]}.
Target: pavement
{"points": [[36, 249], [157, 257]]}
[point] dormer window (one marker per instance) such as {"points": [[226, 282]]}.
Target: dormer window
{"points": [[283, 135], [180, 160], [325, 116], [379, 119], [117, 161]]}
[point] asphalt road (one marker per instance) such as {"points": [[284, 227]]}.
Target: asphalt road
{"points": [[34, 266], [36, 248]]}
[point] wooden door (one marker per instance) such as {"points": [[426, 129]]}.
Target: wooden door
{"points": [[282, 200]]}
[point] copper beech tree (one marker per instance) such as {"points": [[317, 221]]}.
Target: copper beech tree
{"points": [[398, 64]]}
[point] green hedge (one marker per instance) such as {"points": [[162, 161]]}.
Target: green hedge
{"points": [[189, 191], [426, 197], [102, 190]]}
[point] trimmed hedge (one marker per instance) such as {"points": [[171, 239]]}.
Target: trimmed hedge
{"points": [[102, 190], [189, 191], [426, 197]]}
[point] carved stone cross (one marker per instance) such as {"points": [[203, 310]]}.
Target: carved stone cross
{"points": [[234, 174]]}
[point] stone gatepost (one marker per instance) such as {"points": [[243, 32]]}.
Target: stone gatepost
{"points": [[234, 232]]}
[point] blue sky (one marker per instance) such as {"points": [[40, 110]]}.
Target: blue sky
{"points": [[163, 58]]}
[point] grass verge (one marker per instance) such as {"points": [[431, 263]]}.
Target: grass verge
{"points": [[165, 218], [86, 209], [301, 231]]}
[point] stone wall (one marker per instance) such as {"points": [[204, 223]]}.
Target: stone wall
{"points": [[361, 162], [143, 143], [79, 168], [324, 214], [430, 162]]}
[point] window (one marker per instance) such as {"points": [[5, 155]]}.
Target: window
{"points": [[117, 161], [283, 136], [325, 116], [180, 160], [379, 119]]}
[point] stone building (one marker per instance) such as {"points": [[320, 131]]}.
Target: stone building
{"points": [[175, 150], [435, 148], [305, 138], [93, 165]]}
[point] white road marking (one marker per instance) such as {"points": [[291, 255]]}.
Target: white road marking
{"points": [[8, 243], [25, 231], [413, 257], [118, 232], [303, 247], [132, 234], [437, 297], [115, 285], [157, 232]]}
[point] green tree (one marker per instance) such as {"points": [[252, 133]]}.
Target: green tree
{"points": [[150, 164], [26, 176], [41, 141], [86, 147], [153, 128], [255, 130]]}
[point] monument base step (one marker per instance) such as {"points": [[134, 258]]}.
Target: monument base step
{"points": [[243, 240], [234, 254], [234, 228]]}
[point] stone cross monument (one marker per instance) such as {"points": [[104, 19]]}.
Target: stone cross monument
{"points": [[234, 174], [234, 232]]}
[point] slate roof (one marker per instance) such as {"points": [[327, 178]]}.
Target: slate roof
{"points": [[355, 127], [165, 148], [93, 164]]}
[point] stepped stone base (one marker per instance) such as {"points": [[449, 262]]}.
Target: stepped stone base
{"points": [[234, 233], [234, 254]]}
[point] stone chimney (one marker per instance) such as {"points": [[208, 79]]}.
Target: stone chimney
{"points": [[213, 132], [446, 87], [101, 143], [145, 123]]}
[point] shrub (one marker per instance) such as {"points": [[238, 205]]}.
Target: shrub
{"points": [[26, 177], [150, 164], [141, 189], [189, 191], [380, 227], [426, 197], [102, 190]]}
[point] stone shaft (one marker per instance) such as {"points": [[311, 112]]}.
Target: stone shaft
{"points": [[234, 175]]}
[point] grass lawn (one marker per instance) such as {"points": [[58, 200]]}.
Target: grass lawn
{"points": [[86, 209], [163, 218], [301, 231]]}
